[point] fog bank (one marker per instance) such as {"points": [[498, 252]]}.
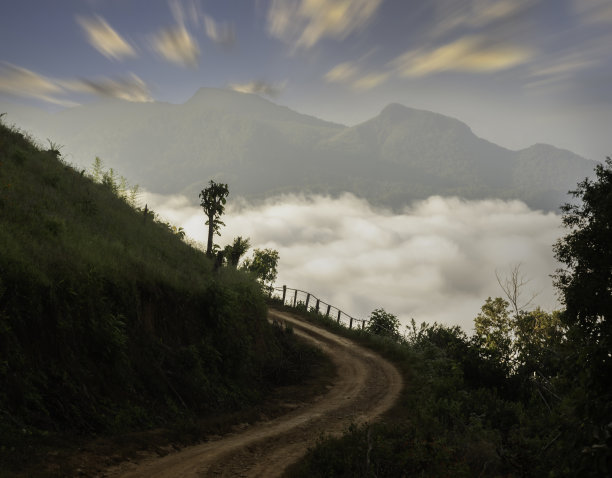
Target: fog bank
{"points": [[435, 261]]}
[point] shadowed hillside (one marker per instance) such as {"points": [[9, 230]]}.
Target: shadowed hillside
{"points": [[110, 322]]}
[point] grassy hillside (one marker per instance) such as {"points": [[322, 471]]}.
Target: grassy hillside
{"points": [[108, 320]]}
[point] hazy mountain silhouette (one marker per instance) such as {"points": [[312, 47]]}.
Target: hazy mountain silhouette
{"points": [[261, 149]]}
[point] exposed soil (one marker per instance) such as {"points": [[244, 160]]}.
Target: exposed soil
{"points": [[366, 386]]}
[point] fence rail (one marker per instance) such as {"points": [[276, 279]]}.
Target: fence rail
{"points": [[297, 297]]}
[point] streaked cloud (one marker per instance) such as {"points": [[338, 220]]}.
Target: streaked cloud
{"points": [[191, 13], [342, 73], [259, 87], [351, 74], [18, 81], [104, 38], [559, 70], [221, 33], [303, 23], [130, 88], [177, 45], [435, 261], [469, 54], [593, 11], [370, 80], [451, 15]]}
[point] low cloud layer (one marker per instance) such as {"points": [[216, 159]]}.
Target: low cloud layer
{"points": [[436, 261]]}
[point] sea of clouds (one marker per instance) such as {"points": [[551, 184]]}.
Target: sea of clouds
{"points": [[435, 261]]}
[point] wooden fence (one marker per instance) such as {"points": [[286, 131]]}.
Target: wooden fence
{"points": [[302, 298]]}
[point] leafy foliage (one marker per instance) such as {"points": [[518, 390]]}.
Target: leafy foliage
{"points": [[586, 285], [236, 250], [263, 265], [212, 200], [383, 323]]}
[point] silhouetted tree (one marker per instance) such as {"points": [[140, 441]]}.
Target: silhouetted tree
{"points": [[236, 250], [212, 200], [586, 286], [383, 323], [263, 264]]}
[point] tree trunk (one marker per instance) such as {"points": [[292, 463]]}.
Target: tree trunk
{"points": [[211, 232]]}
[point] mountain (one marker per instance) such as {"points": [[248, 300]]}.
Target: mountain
{"points": [[262, 149]]}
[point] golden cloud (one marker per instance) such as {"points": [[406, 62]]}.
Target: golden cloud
{"points": [[470, 54], [370, 80], [105, 39], [451, 15], [177, 45], [18, 81], [349, 73], [341, 73], [258, 87], [222, 33], [131, 88], [303, 23]]}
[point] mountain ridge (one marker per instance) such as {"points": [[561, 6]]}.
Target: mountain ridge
{"points": [[261, 149]]}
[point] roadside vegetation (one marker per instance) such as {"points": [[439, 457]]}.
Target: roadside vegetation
{"points": [[109, 321], [527, 395]]}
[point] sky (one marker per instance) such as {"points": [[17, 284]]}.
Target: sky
{"points": [[518, 72]]}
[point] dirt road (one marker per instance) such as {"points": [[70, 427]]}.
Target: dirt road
{"points": [[366, 387]]}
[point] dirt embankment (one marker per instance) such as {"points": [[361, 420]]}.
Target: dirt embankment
{"points": [[366, 387]]}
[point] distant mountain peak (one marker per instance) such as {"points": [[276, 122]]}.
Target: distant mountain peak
{"points": [[396, 115]]}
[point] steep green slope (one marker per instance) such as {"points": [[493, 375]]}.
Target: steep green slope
{"points": [[108, 320]]}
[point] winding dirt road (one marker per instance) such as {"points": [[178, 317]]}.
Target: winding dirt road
{"points": [[367, 386]]}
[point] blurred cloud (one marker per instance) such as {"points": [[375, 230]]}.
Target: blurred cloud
{"points": [[303, 23], [131, 88], [342, 73], [221, 33], [259, 87], [435, 261], [349, 73], [104, 38], [471, 53], [177, 45], [18, 81], [476, 14], [559, 69], [593, 11], [190, 12], [370, 80]]}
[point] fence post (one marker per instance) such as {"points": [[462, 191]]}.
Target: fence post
{"points": [[295, 298], [339, 312], [351, 323], [307, 300], [327, 313], [284, 293], [317, 306]]}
